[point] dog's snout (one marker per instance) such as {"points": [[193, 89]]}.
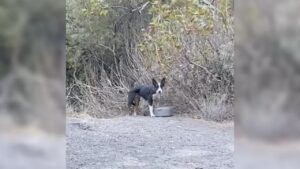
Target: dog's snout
{"points": [[159, 92]]}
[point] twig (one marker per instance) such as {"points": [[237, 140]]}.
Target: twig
{"points": [[141, 8], [204, 68], [106, 47]]}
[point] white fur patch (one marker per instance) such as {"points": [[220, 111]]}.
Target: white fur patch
{"points": [[159, 89], [151, 111]]}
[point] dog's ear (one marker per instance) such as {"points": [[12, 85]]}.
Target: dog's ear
{"points": [[154, 82], [163, 81]]}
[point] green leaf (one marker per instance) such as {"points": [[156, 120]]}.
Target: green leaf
{"points": [[103, 12]]}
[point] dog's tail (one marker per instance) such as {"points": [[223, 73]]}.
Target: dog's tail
{"points": [[131, 94]]}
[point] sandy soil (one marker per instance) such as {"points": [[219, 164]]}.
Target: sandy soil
{"points": [[149, 143]]}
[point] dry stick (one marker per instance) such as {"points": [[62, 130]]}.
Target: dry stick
{"points": [[204, 68], [81, 84], [141, 8], [106, 47], [69, 90], [213, 46]]}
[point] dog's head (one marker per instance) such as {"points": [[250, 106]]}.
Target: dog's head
{"points": [[159, 85]]}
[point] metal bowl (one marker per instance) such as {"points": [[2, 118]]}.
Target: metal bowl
{"points": [[164, 111]]}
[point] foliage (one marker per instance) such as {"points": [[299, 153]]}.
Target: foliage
{"points": [[114, 45], [172, 20], [98, 33]]}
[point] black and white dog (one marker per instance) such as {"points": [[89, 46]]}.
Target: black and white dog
{"points": [[146, 92]]}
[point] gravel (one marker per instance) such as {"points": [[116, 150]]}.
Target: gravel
{"points": [[149, 143]]}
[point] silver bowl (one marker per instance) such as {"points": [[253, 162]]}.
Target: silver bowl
{"points": [[164, 111]]}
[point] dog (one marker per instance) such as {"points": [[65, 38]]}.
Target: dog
{"points": [[146, 92]]}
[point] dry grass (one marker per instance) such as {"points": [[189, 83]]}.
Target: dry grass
{"points": [[204, 88]]}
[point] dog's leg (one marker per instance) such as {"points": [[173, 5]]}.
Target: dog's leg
{"points": [[130, 110], [151, 111], [136, 106], [150, 101]]}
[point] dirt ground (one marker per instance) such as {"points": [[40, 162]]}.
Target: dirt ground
{"points": [[149, 143]]}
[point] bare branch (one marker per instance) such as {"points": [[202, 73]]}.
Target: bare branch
{"points": [[141, 8]]}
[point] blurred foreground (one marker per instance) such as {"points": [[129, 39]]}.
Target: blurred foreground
{"points": [[32, 84], [267, 127]]}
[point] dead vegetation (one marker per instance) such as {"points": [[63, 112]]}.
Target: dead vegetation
{"points": [[198, 65]]}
